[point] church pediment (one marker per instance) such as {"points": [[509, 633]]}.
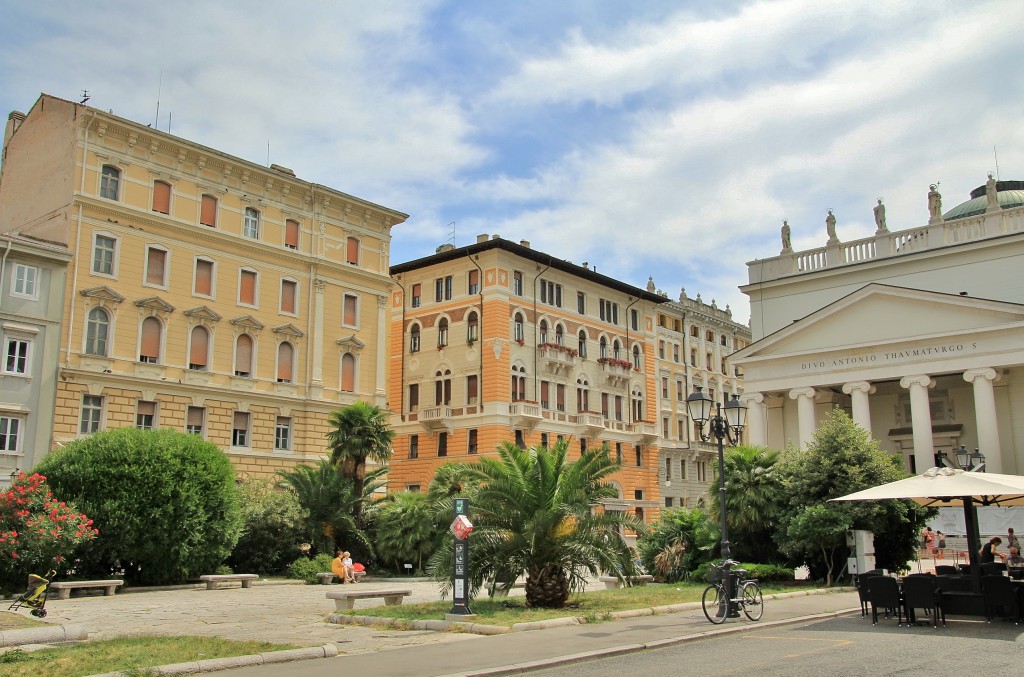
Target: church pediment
{"points": [[289, 329], [882, 315], [203, 313], [155, 303], [103, 294], [247, 322]]}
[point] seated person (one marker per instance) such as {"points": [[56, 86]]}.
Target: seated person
{"points": [[1014, 560], [346, 561], [988, 552], [338, 566]]}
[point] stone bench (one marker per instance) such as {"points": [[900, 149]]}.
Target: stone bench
{"points": [[344, 600], [212, 580], [64, 588], [613, 583], [327, 577]]}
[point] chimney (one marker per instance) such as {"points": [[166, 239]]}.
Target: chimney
{"points": [[481, 238], [14, 121], [525, 243]]}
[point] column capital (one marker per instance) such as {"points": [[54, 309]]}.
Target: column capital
{"points": [[987, 373], [756, 398], [919, 380], [797, 393], [859, 386]]}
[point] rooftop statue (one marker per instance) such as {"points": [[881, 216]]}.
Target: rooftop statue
{"points": [[787, 245], [991, 193], [880, 218], [830, 226], [934, 204]]}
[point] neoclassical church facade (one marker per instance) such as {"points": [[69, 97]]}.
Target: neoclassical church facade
{"points": [[917, 333]]}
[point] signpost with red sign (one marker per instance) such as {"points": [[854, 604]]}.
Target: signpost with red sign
{"points": [[461, 528]]}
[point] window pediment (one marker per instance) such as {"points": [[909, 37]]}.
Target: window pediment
{"points": [[103, 294], [351, 343], [247, 322], [155, 303], [289, 329], [203, 313]]}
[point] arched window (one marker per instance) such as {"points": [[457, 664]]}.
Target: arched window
{"points": [[582, 343], [723, 340], [348, 373], [518, 334], [559, 335], [285, 362], [149, 344], [442, 332], [472, 327], [243, 355], [636, 357], [110, 182], [638, 405], [604, 347], [97, 329], [414, 339], [199, 349], [543, 328], [518, 383], [582, 395], [616, 349], [443, 388]]}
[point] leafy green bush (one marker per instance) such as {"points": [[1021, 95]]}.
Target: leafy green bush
{"points": [[165, 503], [306, 568], [272, 529], [678, 543], [762, 572]]}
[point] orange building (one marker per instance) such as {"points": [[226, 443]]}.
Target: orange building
{"points": [[496, 341]]}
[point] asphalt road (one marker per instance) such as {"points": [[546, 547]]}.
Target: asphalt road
{"points": [[846, 645]]}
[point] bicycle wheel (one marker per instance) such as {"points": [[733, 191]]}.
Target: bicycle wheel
{"points": [[715, 604], [753, 603]]}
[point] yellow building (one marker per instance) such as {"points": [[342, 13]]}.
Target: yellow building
{"points": [[207, 293], [496, 341]]}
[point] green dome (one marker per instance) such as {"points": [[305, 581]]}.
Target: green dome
{"points": [[1009, 194]]}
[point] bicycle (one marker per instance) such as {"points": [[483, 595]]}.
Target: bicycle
{"points": [[716, 602]]}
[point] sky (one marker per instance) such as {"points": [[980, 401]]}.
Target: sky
{"points": [[662, 139]]}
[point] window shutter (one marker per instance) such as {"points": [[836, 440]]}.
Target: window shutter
{"points": [[248, 291], [195, 417], [161, 197], [414, 395], [208, 212], [544, 393], [348, 373], [352, 255], [204, 277], [241, 420], [200, 346], [560, 394], [243, 354], [155, 262], [287, 296], [146, 408], [291, 234], [471, 388], [150, 338], [285, 357], [350, 311]]}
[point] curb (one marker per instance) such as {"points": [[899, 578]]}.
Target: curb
{"points": [[51, 635], [214, 664], [402, 624]]}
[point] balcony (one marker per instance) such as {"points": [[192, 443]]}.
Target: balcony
{"points": [[615, 371], [524, 415], [647, 431], [556, 358], [434, 419], [591, 424]]}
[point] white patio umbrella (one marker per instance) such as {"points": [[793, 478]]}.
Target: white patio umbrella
{"points": [[943, 487]]}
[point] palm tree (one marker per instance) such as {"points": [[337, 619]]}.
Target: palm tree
{"points": [[359, 432], [752, 494], [406, 528], [535, 512]]}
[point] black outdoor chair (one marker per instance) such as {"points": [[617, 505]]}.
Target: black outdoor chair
{"points": [[884, 592], [945, 570], [990, 569], [861, 581], [920, 591], [1000, 594]]}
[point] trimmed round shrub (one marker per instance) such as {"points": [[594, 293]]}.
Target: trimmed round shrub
{"points": [[165, 503], [272, 529], [306, 568]]}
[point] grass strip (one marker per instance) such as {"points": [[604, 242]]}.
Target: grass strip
{"points": [[11, 620], [130, 654]]}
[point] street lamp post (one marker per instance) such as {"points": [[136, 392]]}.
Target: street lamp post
{"points": [[722, 428], [965, 460]]}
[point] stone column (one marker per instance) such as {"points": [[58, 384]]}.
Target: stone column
{"points": [[985, 414], [382, 348], [858, 392], [921, 417], [318, 338], [757, 431], [805, 414]]}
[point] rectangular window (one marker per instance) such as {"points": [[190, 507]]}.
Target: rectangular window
{"points": [[439, 289], [618, 453], [352, 251], [289, 288], [609, 311], [92, 414], [23, 280], [156, 266], [283, 434], [668, 468], [581, 303], [208, 211], [543, 439], [350, 315], [473, 284], [110, 181], [551, 293], [634, 319], [639, 455], [723, 366], [471, 445], [544, 395], [638, 494], [471, 389], [442, 444], [162, 197], [291, 234], [251, 223], [16, 355], [203, 282], [682, 469], [103, 255], [416, 295], [517, 283], [414, 396], [664, 387], [414, 446], [661, 350], [675, 353], [145, 415], [240, 429], [448, 288], [679, 391], [668, 501], [194, 419], [560, 397], [10, 434], [247, 287], [604, 405], [681, 429]]}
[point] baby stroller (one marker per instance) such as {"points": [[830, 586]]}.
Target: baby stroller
{"points": [[34, 596]]}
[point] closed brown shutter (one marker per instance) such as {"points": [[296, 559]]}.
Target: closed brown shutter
{"points": [[560, 394], [208, 213], [291, 234], [285, 356], [353, 251], [287, 296], [474, 278], [414, 396], [544, 394], [240, 421], [247, 293], [195, 417], [204, 277], [146, 408], [161, 197], [471, 389], [156, 260], [348, 373], [200, 347], [150, 344], [350, 318], [243, 354]]}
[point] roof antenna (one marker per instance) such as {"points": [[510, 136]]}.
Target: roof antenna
{"points": [[159, 86], [85, 96], [451, 235], [996, 156]]}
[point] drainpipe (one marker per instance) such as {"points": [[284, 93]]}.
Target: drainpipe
{"points": [[629, 358], [401, 389], [78, 241], [311, 296], [3, 262], [479, 335], [536, 324]]}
